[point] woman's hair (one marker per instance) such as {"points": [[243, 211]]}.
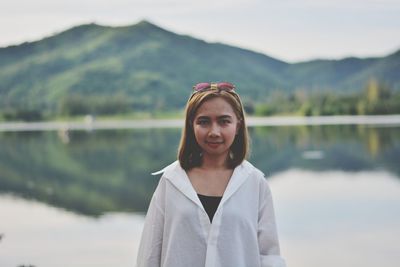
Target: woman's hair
{"points": [[190, 153]]}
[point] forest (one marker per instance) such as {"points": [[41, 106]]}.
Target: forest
{"points": [[375, 99]]}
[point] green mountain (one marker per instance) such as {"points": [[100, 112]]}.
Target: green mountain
{"points": [[345, 74], [145, 67]]}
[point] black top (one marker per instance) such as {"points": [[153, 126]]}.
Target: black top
{"points": [[210, 204]]}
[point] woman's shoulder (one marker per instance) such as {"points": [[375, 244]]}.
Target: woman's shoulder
{"points": [[173, 172], [256, 175], [167, 173], [252, 170], [167, 168]]}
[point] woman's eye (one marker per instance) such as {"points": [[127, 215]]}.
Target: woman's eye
{"points": [[202, 122], [225, 122]]}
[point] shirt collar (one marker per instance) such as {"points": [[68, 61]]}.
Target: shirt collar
{"points": [[178, 177]]}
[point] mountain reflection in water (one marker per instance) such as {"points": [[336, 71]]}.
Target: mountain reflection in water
{"points": [[96, 172]]}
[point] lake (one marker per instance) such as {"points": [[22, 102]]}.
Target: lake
{"points": [[78, 197]]}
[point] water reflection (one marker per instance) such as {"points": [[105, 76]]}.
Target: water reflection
{"points": [[39, 235], [348, 148], [325, 218], [97, 172], [335, 218]]}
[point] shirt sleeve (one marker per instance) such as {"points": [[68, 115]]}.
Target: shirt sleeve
{"points": [[267, 231], [149, 253]]}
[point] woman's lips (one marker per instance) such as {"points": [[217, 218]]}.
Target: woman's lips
{"points": [[213, 144]]}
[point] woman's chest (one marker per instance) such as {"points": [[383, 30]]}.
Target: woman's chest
{"points": [[240, 208], [210, 184]]}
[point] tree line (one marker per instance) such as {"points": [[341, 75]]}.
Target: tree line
{"points": [[375, 99]]}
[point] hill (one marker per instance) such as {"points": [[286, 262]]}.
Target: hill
{"points": [[348, 74], [146, 67]]}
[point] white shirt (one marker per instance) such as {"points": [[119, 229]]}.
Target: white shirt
{"points": [[178, 232]]}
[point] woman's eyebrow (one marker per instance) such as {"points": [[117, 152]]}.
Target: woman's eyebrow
{"points": [[225, 117], [204, 117]]}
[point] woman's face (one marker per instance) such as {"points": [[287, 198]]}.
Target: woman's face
{"points": [[215, 126]]}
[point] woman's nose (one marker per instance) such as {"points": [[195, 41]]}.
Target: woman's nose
{"points": [[214, 131]]}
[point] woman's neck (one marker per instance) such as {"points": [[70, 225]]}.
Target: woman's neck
{"points": [[214, 163]]}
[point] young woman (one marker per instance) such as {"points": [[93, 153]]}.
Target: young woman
{"points": [[211, 208]]}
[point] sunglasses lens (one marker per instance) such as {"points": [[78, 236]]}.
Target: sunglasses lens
{"points": [[201, 86], [226, 86]]}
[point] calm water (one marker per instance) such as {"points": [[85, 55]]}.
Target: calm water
{"points": [[79, 198]]}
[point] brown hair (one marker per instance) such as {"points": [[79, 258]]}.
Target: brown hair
{"points": [[189, 153]]}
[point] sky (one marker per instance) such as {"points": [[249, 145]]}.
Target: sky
{"points": [[289, 30]]}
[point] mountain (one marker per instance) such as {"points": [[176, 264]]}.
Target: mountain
{"points": [[345, 74], [155, 68]]}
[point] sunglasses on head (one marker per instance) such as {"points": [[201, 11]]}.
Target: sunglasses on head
{"points": [[222, 86]]}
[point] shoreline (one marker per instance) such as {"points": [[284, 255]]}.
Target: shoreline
{"points": [[92, 124]]}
